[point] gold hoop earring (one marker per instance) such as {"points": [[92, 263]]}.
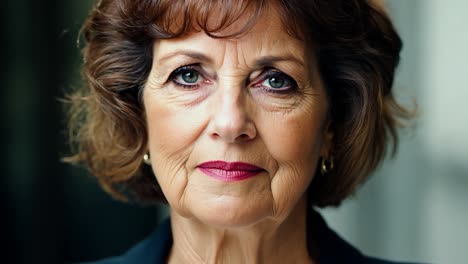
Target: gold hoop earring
{"points": [[327, 165], [147, 159]]}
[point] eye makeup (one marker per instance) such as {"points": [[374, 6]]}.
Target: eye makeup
{"points": [[275, 81], [189, 77]]}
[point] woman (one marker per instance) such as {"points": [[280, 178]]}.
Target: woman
{"points": [[242, 116]]}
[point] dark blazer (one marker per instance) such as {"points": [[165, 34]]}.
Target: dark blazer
{"points": [[331, 248]]}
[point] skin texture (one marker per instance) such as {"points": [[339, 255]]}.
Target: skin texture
{"points": [[231, 115]]}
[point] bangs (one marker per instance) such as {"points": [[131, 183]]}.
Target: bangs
{"points": [[173, 18]]}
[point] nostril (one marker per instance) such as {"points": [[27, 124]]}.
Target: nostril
{"points": [[244, 136], [215, 135]]}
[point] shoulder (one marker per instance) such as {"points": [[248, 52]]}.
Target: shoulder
{"points": [[332, 249], [371, 260], [153, 249]]}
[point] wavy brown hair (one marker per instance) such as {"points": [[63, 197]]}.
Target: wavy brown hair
{"points": [[354, 42]]}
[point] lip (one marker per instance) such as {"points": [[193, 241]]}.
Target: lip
{"points": [[229, 171]]}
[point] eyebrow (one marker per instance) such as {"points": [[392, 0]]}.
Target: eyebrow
{"points": [[270, 60], [261, 62], [191, 54]]}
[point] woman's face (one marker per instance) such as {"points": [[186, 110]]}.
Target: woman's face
{"points": [[235, 126]]}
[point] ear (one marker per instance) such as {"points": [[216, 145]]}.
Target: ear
{"points": [[327, 139]]}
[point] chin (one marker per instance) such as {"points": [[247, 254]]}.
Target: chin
{"points": [[232, 212]]}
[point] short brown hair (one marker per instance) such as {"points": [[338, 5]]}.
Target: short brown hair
{"points": [[354, 42]]}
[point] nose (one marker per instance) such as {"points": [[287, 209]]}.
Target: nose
{"points": [[231, 121]]}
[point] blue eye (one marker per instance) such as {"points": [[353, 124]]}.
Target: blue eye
{"points": [[187, 77], [276, 81]]}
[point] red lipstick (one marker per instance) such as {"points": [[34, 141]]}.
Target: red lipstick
{"points": [[229, 171]]}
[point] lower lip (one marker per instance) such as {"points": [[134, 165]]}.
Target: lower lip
{"points": [[229, 175]]}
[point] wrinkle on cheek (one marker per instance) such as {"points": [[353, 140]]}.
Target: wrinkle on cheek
{"points": [[295, 146], [175, 148], [287, 186], [173, 133], [180, 180], [172, 171]]}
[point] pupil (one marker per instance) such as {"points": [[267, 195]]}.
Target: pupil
{"points": [[190, 77], [276, 82]]}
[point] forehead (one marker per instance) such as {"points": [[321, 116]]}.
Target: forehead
{"points": [[223, 19], [266, 36]]}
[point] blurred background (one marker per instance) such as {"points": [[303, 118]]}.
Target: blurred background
{"points": [[414, 208]]}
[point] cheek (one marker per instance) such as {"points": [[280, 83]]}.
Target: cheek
{"points": [[294, 143], [294, 139], [172, 132]]}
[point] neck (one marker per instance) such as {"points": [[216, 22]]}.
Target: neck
{"points": [[269, 241]]}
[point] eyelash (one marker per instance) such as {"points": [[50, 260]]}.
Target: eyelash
{"points": [[264, 76], [183, 69], [274, 73]]}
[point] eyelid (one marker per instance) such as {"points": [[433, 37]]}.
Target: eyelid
{"points": [[195, 67], [270, 71], [178, 70], [204, 77], [273, 72]]}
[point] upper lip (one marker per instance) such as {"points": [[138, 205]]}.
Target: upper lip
{"points": [[229, 166]]}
